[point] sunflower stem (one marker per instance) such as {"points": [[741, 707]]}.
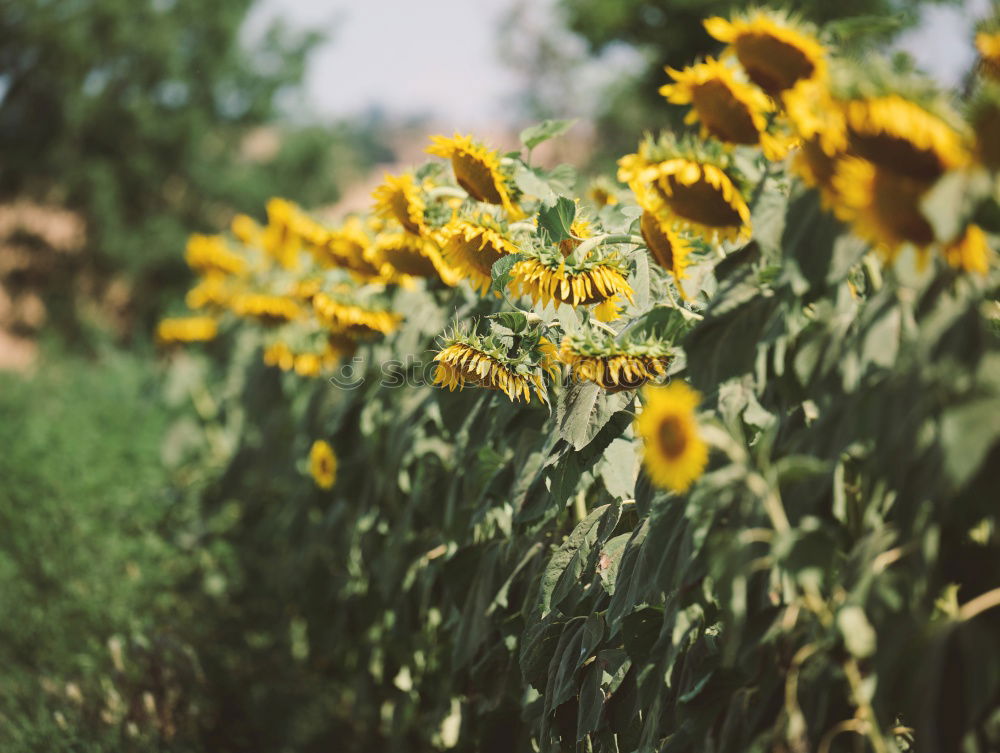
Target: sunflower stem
{"points": [[440, 192], [598, 240], [605, 327]]}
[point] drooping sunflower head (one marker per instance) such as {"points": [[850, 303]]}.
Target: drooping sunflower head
{"points": [[728, 109], [350, 247], [341, 314], [246, 230], [882, 206], [598, 280], [690, 183], [478, 170], [597, 356], [970, 251], [775, 51], [399, 198], [281, 237], [322, 464], [668, 246], [472, 242], [490, 363], [213, 292], [266, 308], [186, 329], [675, 453], [901, 135], [988, 46], [603, 192], [815, 116], [984, 117], [413, 256], [209, 254]]}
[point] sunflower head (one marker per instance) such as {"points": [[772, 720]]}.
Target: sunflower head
{"points": [[970, 251], [413, 256], [399, 198], [489, 362], [213, 292], [266, 308], [668, 247], [341, 314], [471, 243], [775, 51], [546, 276], [728, 109], [988, 46], [603, 192], [478, 170], [984, 117], [350, 247], [597, 356], [322, 464], [281, 238], [186, 329], [675, 453], [246, 230], [209, 254], [691, 183], [882, 206]]}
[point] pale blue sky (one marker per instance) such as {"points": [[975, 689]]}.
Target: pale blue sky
{"points": [[441, 57]]}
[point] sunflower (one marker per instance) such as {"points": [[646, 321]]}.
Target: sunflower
{"points": [[988, 45], [208, 253], [399, 198], [817, 169], [270, 309], [775, 52], [472, 244], [597, 357], [281, 239], [477, 170], [280, 355], [414, 256], [675, 453], [984, 117], [350, 247], [970, 252], [322, 464], [883, 207], [603, 192], [815, 116], [728, 109], [213, 291], [246, 230], [186, 329], [902, 136], [347, 318], [469, 359], [668, 247], [579, 231], [548, 277]]}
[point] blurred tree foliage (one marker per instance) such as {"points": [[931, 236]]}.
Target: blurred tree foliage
{"points": [[670, 33], [144, 115]]}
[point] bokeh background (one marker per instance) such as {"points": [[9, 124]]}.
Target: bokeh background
{"points": [[125, 125]]}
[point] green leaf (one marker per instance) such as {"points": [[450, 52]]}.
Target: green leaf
{"points": [[515, 321], [610, 561], [569, 556], [584, 409], [591, 701], [534, 135], [501, 271], [555, 221]]}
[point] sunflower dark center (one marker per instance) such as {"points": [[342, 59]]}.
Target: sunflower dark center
{"points": [[410, 262], [723, 115], [699, 202], [896, 202], [772, 64], [898, 154], [476, 178], [401, 211], [657, 241], [672, 437]]}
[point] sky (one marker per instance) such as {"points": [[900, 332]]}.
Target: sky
{"points": [[441, 57]]}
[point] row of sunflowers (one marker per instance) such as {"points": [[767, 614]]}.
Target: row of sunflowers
{"points": [[725, 470], [872, 142]]}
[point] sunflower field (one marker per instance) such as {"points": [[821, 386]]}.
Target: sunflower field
{"points": [[706, 458]]}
